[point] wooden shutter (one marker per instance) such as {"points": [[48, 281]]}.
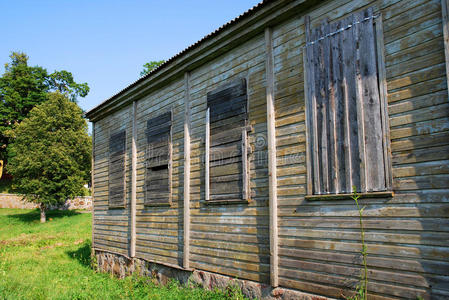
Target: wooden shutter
{"points": [[227, 153], [158, 162], [344, 118], [117, 146]]}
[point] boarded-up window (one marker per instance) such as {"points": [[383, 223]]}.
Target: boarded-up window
{"points": [[346, 129], [158, 161], [117, 146], [226, 145]]}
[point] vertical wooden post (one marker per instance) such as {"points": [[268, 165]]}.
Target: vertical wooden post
{"points": [[186, 254], [92, 187], [244, 164], [383, 101], [170, 160], [133, 180], [272, 177], [307, 108], [311, 102], [445, 14], [206, 156]]}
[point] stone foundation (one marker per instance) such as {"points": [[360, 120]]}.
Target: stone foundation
{"points": [[122, 266], [15, 201]]}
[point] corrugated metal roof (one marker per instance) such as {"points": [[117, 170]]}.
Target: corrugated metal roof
{"points": [[186, 50]]}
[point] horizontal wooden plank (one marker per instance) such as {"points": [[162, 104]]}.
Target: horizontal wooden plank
{"points": [[229, 123], [354, 270], [230, 262], [381, 236], [141, 252], [223, 137], [373, 262], [230, 228], [159, 162], [236, 255], [225, 178], [421, 155], [228, 169], [153, 195], [225, 161], [257, 276], [415, 251], [380, 210], [224, 151], [431, 72], [226, 196], [422, 141], [143, 235], [149, 245], [420, 169], [420, 115], [369, 223], [235, 186], [346, 284], [427, 100], [156, 174], [418, 89], [255, 222], [420, 128], [439, 181], [158, 188]]}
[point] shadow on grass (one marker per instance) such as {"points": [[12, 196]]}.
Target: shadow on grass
{"points": [[82, 254], [34, 215]]}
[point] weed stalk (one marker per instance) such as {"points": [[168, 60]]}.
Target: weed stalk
{"points": [[362, 289]]}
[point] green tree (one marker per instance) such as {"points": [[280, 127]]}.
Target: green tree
{"points": [[52, 153], [150, 66], [63, 82], [22, 87]]}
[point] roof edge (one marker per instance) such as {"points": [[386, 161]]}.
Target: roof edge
{"points": [[170, 66]]}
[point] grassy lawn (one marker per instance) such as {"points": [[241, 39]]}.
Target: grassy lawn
{"points": [[52, 261]]}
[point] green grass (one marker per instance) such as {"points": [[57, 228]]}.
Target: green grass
{"points": [[52, 261]]}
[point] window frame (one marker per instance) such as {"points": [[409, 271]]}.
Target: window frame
{"points": [[123, 180], [245, 195], [169, 164], [382, 85]]}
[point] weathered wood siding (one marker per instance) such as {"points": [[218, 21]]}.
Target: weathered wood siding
{"points": [[407, 235], [231, 239], [319, 241], [159, 228], [111, 228]]}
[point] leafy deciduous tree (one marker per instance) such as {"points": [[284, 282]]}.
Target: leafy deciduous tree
{"points": [[22, 87], [150, 66], [52, 153], [64, 83]]}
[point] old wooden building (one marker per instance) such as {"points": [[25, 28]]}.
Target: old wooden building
{"points": [[238, 155]]}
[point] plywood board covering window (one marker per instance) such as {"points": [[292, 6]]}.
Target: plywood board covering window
{"points": [[117, 145], [158, 160], [226, 144], [345, 116]]}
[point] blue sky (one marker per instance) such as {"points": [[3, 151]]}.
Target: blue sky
{"points": [[105, 43]]}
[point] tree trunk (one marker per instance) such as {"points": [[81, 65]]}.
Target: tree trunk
{"points": [[43, 216]]}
